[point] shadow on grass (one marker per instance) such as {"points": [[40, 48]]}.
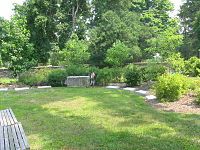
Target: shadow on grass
{"points": [[131, 123]]}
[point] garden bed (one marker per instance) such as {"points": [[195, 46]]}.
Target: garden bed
{"points": [[185, 105]]}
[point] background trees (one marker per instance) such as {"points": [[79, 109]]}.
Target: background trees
{"points": [[143, 28], [189, 15], [16, 50]]}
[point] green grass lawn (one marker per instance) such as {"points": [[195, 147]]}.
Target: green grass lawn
{"points": [[97, 118]]}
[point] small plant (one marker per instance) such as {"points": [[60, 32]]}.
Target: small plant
{"points": [[170, 87], [133, 75], [57, 78]]}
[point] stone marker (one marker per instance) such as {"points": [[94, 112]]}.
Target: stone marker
{"points": [[43, 87], [130, 89], [112, 87], [77, 81], [142, 92], [21, 89], [3, 89], [151, 97]]}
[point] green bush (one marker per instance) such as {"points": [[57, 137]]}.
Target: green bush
{"points": [[109, 75], [193, 67], [77, 70], [35, 77], [133, 75], [57, 78], [170, 87], [153, 71]]}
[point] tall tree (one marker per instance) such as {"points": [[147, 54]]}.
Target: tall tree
{"points": [[53, 21], [188, 15], [112, 21], [16, 49]]}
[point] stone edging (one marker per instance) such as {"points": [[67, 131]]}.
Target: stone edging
{"points": [[23, 88]]}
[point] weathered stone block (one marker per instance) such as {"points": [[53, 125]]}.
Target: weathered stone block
{"points": [[78, 81]]}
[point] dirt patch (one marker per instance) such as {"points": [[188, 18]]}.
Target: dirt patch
{"points": [[185, 105]]}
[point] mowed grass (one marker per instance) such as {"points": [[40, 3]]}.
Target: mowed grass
{"points": [[98, 118]]}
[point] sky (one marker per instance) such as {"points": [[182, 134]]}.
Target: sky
{"points": [[6, 7], [177, 4]]}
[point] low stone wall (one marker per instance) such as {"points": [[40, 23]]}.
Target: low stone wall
{"points": [[78, 81], [5, 73]]}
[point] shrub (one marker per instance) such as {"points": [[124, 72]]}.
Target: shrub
{"points": [[77, 70], [133, 75], [104, 76], [57, 78], [170, 87], [193, 67], [35, 77], [109, 75], [153, 71]]}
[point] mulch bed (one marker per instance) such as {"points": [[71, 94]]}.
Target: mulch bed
{"points": [[185, 105]]}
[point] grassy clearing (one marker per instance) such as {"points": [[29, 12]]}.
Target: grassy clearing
{"points": [[97, 118]]}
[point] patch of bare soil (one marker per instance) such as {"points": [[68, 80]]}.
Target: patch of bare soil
{"points": [[185, 105]]}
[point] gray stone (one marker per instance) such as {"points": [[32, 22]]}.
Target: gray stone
{"points": [[151, 97], [117, 84], [3, 89], [22, 89], [77, 81], [44, 87], [142, 92], [112, 87], [130, 89]]}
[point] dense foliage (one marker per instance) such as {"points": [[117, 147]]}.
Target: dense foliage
{"points": [[133, 75], [35, 77], [190, 23], [57, 78], [170, 87], [152, 71], [99, 32]]}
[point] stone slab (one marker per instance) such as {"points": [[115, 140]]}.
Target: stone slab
{"points": [[44, 87], [22, 89], [142, 92], [151, 97], [78, 81], [3, 89], [112, 87], [130, 89]]}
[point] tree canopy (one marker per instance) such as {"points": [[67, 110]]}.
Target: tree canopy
{"points": [[103, 33]]}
